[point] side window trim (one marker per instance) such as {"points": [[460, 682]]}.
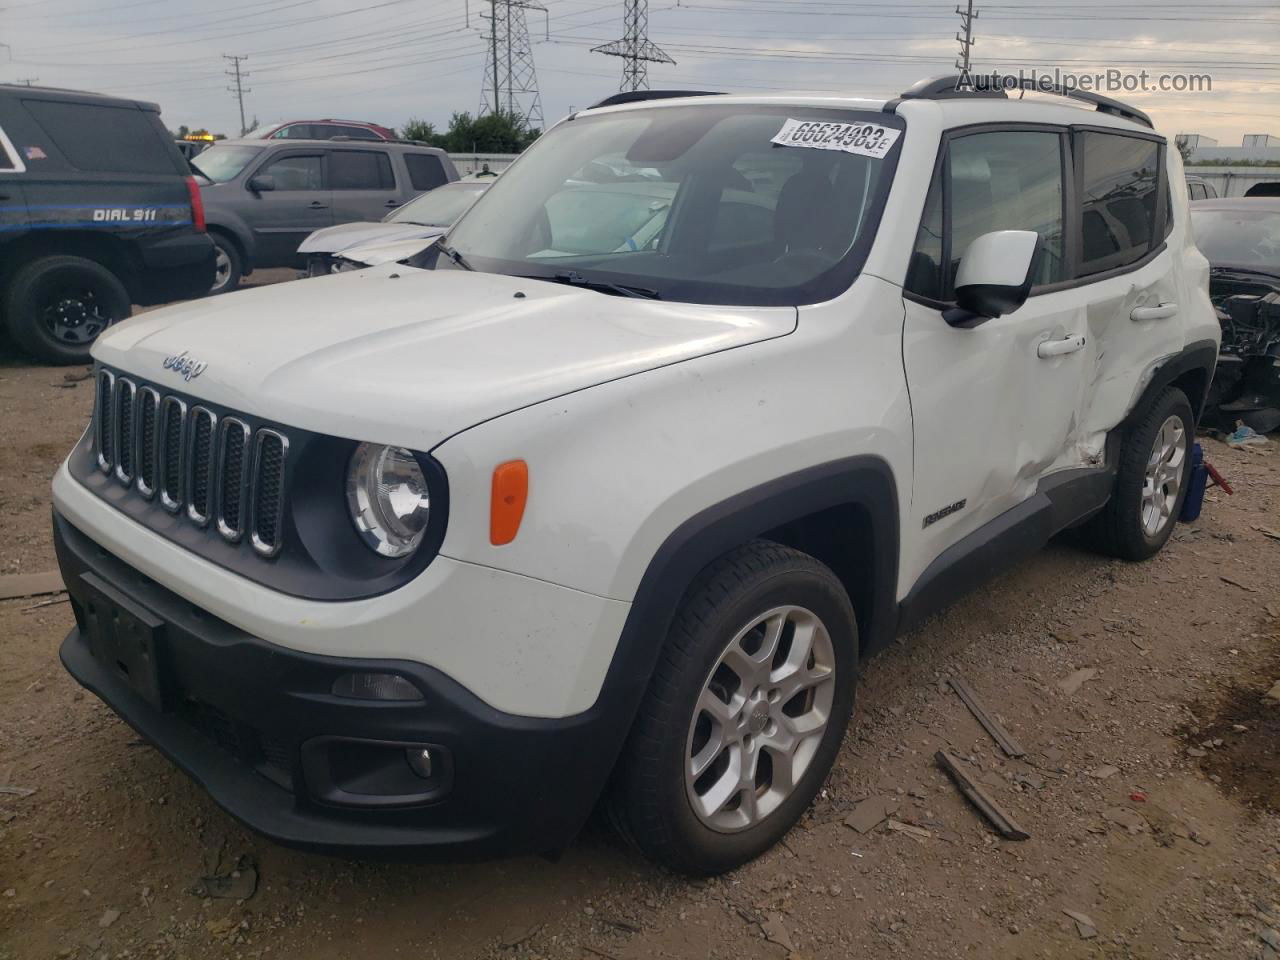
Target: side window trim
{"points": [[19, 165]]}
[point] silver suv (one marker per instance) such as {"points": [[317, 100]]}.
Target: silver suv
{"points": [[262, 199]]}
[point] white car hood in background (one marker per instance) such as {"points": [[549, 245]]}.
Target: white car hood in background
{"points": [[372, 254], [410, 357], [338, 239]]}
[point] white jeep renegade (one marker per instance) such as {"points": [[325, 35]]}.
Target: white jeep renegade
{"points": [[701, 403]]}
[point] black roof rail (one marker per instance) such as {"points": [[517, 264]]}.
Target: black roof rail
{"points": [[636, 96], [949, 87]]}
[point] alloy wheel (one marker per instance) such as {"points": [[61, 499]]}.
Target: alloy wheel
{"points": [[1163, 478], [759, 719]]}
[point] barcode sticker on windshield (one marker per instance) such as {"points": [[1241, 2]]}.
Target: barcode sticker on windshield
{"points": [[864, 139]]}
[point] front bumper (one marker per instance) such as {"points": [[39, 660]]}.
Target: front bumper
{"points": [[257, 726]]}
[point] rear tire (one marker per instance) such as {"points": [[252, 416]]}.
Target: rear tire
{"points": [[750, 701], [1151, 482], [228, 265], [56, 307]]}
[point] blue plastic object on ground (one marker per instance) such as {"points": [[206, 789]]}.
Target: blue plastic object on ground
{"points": [[1196, 483]]}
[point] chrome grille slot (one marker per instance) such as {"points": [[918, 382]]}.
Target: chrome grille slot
{"points": [[208, 467], [173, 416], [123, 443], [104, 434], [147, 404], [234, 457], [266, 501], [202, 428]]}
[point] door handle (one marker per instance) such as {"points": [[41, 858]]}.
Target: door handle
{"points": [[1048, 349], [392, 203], [1161, 312], [317, 205]]}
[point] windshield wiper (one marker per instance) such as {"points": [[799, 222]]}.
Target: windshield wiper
{"points": [[453, 254], [575, 279]]}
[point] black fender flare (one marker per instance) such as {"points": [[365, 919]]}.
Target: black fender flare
{"points": [[864, 481], [1199, 356]]}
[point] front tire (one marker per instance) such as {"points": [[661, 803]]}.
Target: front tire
{"points": [[56, 307], [1151, 481], [744, 715]]}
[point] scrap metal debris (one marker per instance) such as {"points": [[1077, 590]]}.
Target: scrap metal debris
{"points": [[30, 584], [985, 803], [1085, 926], [989, 723], [871, 812]]}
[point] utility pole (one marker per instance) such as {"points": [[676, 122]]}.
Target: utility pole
{"points": [[967, 16], [239, 89], [27, 81], [510, 83], [635, 48]]}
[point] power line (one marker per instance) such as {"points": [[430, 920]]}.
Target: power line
{"points": [[635, 48], [239, 90]]}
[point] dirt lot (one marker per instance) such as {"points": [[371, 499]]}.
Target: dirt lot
{"points": [[1151, 792]]}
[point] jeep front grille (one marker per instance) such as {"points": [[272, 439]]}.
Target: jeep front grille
{"points": [[206, 468]]}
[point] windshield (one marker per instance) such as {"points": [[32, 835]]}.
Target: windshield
{"points": [[1239, 238], [223, 163], [439, 207], [707, 203]]}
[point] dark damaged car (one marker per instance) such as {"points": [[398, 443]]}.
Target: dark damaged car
{"points": [[1241, 239], [98, 211]]}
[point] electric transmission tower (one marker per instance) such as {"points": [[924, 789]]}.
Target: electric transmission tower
{"points": [[239, 89], [967, 16], [635, 47], [510, 81]]}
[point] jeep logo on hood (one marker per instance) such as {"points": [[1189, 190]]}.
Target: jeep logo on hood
{"points": [[188, 367]]}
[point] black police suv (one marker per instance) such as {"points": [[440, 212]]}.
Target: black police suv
{"points": [[98, 211]]}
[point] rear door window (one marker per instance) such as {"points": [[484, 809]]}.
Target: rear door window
{"points": [[426, 172], [100, 138], [360, 170], [1119, 180]]}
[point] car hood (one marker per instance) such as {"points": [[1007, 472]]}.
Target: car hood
{"points": [[345, 235], [411, 357], [372, 254]]}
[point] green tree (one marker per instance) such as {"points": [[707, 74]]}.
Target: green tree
{"points": [[423, 131], [492, 133]]}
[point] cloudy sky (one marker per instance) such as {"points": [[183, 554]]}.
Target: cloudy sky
{"points": [[390, 60]]}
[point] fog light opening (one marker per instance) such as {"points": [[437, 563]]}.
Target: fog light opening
{"points": [[375, 686], [419, 759]]}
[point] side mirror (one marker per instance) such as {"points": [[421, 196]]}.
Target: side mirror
{"points": [[994, 277], [262, 183]]}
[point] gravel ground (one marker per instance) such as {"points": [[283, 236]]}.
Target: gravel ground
{"points": [[1151, 790]]}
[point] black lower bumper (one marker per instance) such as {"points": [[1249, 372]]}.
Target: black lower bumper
{"points": [[257, 725]]}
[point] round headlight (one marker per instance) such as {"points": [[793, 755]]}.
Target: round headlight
{"points": [[388, 498]]}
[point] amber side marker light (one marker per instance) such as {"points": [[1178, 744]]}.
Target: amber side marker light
{"points": [[506, 505]]}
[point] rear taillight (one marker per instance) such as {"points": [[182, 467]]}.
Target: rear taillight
{"points": [[197, 204]]}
